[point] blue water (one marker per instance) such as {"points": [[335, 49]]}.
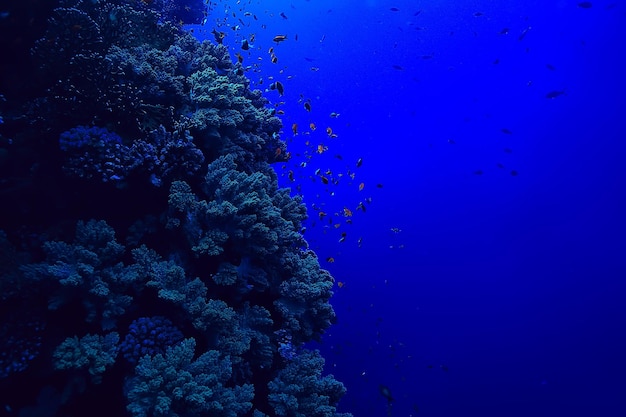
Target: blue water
{"points": [[500, 295], [462, 165]]}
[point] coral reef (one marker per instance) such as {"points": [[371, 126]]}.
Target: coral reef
{"points": [[150, 266]]}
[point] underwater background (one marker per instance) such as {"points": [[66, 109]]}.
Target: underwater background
{"points": [[429, 195]]}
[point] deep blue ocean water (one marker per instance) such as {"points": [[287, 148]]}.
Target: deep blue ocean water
{"points": [[473, 292], [462, 164]]}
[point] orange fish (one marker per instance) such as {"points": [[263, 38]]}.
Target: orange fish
{"points": [[278, 152], [294, 128], [312, 126], [330, 260], [347, 212], [340, 284], [322, 215], [321, 148], [324, 180], [361, 186]]}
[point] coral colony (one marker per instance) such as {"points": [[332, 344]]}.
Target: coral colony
{"points": [[150, 263]]}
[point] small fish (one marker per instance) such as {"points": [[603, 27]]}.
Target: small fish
{"points": [[283, 15], [379, 185], [329, 131], [347, 212], [361, 207], [385, 392], [585, 4], [361, 186], [279, 38], [330, 260], [514, 173], [219, 36], [245, 45], [504, 31], [324, 179], [307, 106], [274, 59], [340, 284], [312, 126], [279, 87], [555, 94], [478, 172], [398, 67], [334, 115], [359, 162], [294, 128], [394, 9], [524, 32], [506, 131]]}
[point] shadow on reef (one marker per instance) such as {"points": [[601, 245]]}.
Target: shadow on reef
{"points": [[150, 263]]}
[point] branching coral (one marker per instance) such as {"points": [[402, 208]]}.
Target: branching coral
{"points": [[123, 97], [174, 384], [239, 209], [88, 271], [91, 352], [299, 390]]}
